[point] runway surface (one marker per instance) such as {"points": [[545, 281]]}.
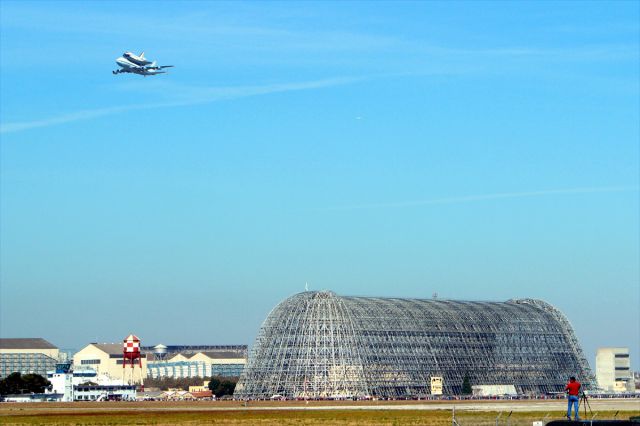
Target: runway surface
{"points": [[484, 405]]}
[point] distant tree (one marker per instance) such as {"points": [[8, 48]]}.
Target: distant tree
{"points": [[214, 383], [466, 386], [219, 386], [11, 384], [222, 386], [227, 387], [17, 383], [165, 383]]}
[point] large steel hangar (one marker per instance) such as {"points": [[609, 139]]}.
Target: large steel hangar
{"points": [[317, 344]]}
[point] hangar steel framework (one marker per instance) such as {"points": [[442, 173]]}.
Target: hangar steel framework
{"points": [[321, 345]]}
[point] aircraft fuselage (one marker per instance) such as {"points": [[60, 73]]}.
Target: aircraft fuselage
{"points": [[129, 67]]}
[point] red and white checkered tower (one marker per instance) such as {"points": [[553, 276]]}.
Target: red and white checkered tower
{"points": [[131, 353]]}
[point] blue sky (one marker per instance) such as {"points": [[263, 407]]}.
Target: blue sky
{"points": [[477, 150]]}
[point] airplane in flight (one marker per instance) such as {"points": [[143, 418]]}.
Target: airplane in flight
{"points": [[133, 64]]}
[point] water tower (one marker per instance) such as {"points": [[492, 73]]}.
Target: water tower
{"points": [[130, 354], [160, 352]]}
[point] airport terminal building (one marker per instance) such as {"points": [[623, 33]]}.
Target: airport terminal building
{"points": [[322, 345]]}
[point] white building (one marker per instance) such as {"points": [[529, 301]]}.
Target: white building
{"points": [[494, 390], [33, 397], [613, 370], [86, 385], [104, 393], [64, 380]]}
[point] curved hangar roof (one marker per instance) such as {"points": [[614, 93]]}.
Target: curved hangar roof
{"points": [[321, 345]]}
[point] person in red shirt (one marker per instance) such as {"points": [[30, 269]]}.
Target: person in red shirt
{"points": [[573, 389]]}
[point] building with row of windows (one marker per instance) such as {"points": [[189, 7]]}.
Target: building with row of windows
{"points": [[28, 356], [172, 361], [613, 370], [201, 364]]}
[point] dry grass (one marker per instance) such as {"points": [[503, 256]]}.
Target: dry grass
{"points": [[232, 413], [271, 417]]}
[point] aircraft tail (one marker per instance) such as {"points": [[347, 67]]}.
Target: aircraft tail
{"points": [[142, 55], [153, 64]]}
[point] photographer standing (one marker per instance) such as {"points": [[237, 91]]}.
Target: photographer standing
{"points": [[573, 389]]}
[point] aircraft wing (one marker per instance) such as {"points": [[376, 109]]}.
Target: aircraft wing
{"points": [[159, 68]]}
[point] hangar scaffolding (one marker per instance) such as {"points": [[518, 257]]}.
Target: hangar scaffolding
{"points": [[321, 345]]}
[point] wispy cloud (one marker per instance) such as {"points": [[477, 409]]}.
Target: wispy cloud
{"points": [[213, 31], [487, 197], [183, 96], [61, 119], [192, 31]]}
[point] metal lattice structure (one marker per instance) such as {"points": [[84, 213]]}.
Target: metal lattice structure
{"points": [[321, 345]]}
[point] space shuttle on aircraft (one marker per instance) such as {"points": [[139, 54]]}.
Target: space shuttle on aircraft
{"points": [[136, 59], [138, 64]]}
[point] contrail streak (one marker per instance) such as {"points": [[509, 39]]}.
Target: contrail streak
{"points": [[200, 95], [488, 197]]}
